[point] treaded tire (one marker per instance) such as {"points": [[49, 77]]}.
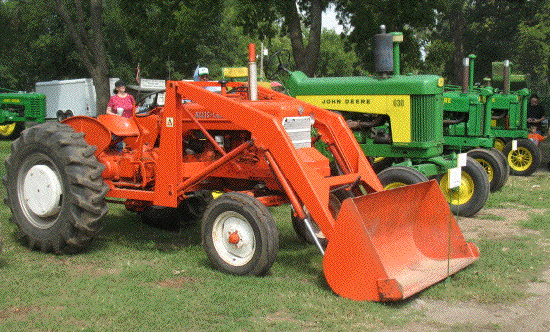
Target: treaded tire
{"points": [[398, 176], [8, 136], [76, 218], [493, 166], [474, 189], [258, 236], [505, 164], [525, 160]]}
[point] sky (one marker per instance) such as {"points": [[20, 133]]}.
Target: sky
{"points": [[330, 21]]}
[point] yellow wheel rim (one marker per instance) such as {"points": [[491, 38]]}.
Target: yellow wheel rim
{"points": [[499, 144], [488, 168], [394, 185], [460, 195], [7, 129], [521, 159]]}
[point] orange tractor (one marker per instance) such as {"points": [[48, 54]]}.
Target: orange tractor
{"points": [[256, 146]]}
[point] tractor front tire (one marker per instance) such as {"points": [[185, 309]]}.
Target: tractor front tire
{"points": [[54, 188], [239, 235], [399, 176], [525, 160], [493, 165], [473, 192]]}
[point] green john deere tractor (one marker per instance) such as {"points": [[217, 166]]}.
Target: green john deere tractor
{"points": [[509, 124], [18, 107], [467, 125], [398, 119]]}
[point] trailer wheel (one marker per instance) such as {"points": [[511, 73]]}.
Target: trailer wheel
{"points": [[473, 192], [525, 160], [54, 188], [493, 166], [399, 176], [11, 131], [239, 235]]}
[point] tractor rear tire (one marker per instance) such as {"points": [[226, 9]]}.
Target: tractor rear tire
{"points": [[54, 188], [399, 176], [11, 131], [239, 235], [493, 166], [505, 164], [525, 160], [473, 192]]}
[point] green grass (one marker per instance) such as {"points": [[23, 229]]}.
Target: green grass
{"points": [[137, 278]]}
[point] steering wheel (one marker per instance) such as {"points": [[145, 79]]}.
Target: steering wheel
{"points": [[151, 108], [275, 64]]}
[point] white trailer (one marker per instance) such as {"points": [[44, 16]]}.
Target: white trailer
{"points": [[70, 97]]}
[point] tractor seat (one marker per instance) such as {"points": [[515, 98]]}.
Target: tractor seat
{"points": [[118, 125]]}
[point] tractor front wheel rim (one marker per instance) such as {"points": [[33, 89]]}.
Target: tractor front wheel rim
{"points": [[233, 238], [520, 159]]}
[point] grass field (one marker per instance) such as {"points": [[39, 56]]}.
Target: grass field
{"points": [[137, 278]]}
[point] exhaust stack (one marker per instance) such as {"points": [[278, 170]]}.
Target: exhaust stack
{"points": [[465, 75], [506, 77], [252, 73]]}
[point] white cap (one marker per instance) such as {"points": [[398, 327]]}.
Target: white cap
{"points": [[203, 71]]}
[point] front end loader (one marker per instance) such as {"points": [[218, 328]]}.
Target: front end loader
{"points": [[397, 120], [255, 147]]}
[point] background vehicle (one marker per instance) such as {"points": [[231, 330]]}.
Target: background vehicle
{"points": [[16, 108]]}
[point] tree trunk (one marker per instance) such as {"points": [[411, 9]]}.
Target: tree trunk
{"points": [[457, 27], [90, 45], [305, 57]]}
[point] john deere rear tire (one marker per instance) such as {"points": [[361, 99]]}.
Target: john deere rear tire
{"points": [[54, 188], [473, 192], [505, 164], [239, 235], [525, 160], [10, 131], [399, 176], [493, 166]]}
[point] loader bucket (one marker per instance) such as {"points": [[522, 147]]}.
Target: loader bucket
{"points": [[392, 244]]}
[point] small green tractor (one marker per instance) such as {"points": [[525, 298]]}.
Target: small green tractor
{"points": [[16, 108], [397, 120], [467, 125]]}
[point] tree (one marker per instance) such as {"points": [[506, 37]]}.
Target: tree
{"points": [[264, 18], [83, 23]]}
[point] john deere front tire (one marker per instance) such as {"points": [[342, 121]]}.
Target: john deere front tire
{"points": [[399, 176], [239, 235], [493, 166], [467, 199], [525, 160], [11, 131], [54, 188]]}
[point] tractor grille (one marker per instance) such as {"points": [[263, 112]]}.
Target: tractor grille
{"points": [[426, 118], [36, 109], [298, 129]]}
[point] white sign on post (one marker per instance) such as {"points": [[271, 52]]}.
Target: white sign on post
{"points": [[455, 177], [462, 158], [514, 145]]}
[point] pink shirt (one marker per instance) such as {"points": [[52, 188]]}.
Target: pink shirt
{"points": [[127, 104]]}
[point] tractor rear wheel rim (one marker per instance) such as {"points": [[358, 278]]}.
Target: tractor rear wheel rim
{"points": [[40, 188], [227, 227], [7, 129], [488, 168], [520, 159], [460, 195]]}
